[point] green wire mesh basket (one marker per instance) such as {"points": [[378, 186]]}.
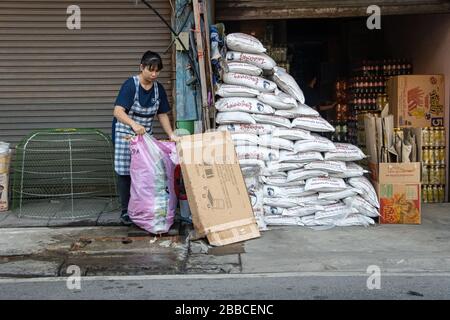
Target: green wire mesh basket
{"points": [[64, 174]]}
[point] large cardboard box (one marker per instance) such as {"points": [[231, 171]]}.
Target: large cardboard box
{"points": [[4, 181], [399, 191], [3, 192], [417, 100], [215, 188]]}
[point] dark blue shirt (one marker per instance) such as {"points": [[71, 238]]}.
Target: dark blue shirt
{"points": [[125, 99]]}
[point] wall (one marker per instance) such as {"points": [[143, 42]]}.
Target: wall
{"points": [[426, 40]]}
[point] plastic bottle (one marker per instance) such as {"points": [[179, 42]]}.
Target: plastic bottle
{"points": [[425, 175], [442, 178], [441, 155], [435, 176], [435, 194], [426, 156], [430, 194], [442, 137], [425, 136], [424, 194], [441, 193]]}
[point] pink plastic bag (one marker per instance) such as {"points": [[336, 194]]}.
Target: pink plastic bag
{"points": [[152, 196]]}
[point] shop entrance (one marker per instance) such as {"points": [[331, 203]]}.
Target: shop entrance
{"points": [[351, 63]]}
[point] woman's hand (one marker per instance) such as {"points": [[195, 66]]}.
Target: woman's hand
{"points": [[138, 129], [174, 138]]}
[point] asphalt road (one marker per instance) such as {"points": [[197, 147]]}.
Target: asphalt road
{"points": [[286, 286]]}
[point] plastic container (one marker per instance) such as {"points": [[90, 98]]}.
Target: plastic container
{"points": [[185, 127]]}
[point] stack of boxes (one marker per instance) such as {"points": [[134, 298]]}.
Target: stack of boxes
{"points": [[417, 101]]}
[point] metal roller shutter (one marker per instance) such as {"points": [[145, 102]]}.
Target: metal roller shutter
{"points": [[294, 9], [53, 77]]}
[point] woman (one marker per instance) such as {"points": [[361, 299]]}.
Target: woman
{"points": [[140, 99]]}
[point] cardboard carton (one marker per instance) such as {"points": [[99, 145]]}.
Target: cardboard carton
{"points": [[3, 192], [4, 162], [4, 181], [417, 100], [399, 192], [215, 188]]}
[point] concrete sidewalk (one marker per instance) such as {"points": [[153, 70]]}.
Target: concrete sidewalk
{"points": [[98, 251]]}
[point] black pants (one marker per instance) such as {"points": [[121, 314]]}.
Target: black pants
{"points": [[124, 184]]}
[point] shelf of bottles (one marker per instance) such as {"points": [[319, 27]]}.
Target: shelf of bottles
{"points": [[341, 133], [366, 91], [279, 53], [433, 164]]}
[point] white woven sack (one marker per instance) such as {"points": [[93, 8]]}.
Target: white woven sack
{"points": [[302, 110], [353, 170], [302, 174], [363, 206], [280, 181], [315, 143], [244, 42], [234, 117], [345, 152], [248, 171], [275, 143], [250, 105], [288, 84], [314, 124], [338, 195], [241, 139], [325, 184], [355, 220], [258, 83], [245, 68], [256, 128], [268, 210], [255, 152], [273, 120], [285, 192], [252, 163], [301, 211], [260, 60], [303, 157], [281, 101], [292, 134], [336, 211], [283, 166], [366, 186], [281, 202], [231, 90], [276, 220], [328, 166], [268, 173]]}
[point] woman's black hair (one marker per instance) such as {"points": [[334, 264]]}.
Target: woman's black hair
{"points": [[152, 60]]}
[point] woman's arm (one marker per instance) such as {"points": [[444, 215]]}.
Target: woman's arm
{"points": [[165, 123], [119, 113]]}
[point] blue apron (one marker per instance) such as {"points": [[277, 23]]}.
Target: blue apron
{"points": [[141, 115]]}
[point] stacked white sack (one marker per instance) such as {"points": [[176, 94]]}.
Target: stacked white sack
{"points": [[294, 176]]}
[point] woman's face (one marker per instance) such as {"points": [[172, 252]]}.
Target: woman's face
{"points": [[149, 73]]}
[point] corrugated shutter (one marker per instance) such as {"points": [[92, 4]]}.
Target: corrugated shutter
{"points": [[294, 9], [53, 77]]}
